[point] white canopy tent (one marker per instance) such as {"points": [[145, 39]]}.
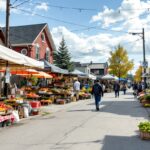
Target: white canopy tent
{"points": [[16, 59], [108, 77], [78, 72], [92, 76]]}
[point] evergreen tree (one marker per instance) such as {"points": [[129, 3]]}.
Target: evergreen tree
{"points": [[62, 57]]}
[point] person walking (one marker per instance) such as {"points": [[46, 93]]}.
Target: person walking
{"points": [[139, 88], [76, 87], [97, 92], [116, 89], [135, 89], [124, 88]]}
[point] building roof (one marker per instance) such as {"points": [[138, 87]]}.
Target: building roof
{"points": [[54, 68], [91, 65], [25, 34]]}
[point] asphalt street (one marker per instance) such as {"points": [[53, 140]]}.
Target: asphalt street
{"points": [[77, 126]]}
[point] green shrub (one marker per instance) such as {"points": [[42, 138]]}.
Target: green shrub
{"points": [[144, 126]]}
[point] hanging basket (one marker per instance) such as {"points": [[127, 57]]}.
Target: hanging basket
{"points": [[145, 135]]}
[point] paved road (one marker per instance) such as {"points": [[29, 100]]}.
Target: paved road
{"points": [[77, 126]]}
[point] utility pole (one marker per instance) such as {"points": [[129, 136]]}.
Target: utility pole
{"points": [[7, 44], [144, 59], [144, 56], [7, 23]]}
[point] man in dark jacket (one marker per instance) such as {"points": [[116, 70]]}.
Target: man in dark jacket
{"points": [[97, 92], [116, 89]]}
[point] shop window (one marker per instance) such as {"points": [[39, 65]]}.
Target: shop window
{"points": [[37, 52], [47, 54]]}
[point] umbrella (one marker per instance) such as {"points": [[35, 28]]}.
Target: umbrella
{"points": [[39, 74], [22, 72]]}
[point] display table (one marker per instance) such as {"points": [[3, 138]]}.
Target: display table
{"points": [[7, 117], [35, 104]]}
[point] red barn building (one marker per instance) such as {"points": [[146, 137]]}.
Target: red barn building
{"points": [[34, 41]]}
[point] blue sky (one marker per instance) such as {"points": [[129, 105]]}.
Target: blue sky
{"points": [[113, 20]]}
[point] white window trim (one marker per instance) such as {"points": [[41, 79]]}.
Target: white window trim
{"points": [[37, 46], [48, 50], [43, 35]]}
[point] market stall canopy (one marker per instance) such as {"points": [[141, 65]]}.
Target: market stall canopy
{"points": [[16, 59], [91, 76], [116, 78], [38, 74], [22, 71], [122, 79], [77, 72], [54, 68], [42, 74], [108, 77]]}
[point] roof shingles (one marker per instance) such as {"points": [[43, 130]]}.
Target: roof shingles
{"points": [[25, 34]]}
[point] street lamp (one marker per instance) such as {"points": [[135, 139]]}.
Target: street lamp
{"points": [[144, 59]]}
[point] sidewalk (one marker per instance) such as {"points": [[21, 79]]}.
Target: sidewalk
{"points": [[77, 126]]}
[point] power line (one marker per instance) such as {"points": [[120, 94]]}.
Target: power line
{"points": [[98, 28], [72, 23], [94, 27], [51, 18], [14, 2], [20, 4], [86, 9], [71, 8]]}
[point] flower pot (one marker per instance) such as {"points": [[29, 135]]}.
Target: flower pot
{"points": [[145, 135]]}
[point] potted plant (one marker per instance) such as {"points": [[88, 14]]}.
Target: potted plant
{"points": [[146, 100], [144, 128]]}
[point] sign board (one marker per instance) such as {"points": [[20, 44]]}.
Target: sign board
{"points": [[7, 76], [145, 64]]}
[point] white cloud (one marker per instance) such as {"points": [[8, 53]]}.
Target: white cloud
{"points": [[129, 9], [2, 5], [96, 48], [42, 6], [2, 25], [86, 48]]}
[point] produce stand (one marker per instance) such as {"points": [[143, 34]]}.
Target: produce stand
{"points": [[6, 120], [6, 115]]}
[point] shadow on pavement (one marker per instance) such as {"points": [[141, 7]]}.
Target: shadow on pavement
{"points": [[129, 108], [124, 143]]}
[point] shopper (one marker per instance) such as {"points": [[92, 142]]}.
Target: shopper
{"points": [[116, 88], [76, 87], [139, 88], [135, 89], [97, 92], [124, 88]]}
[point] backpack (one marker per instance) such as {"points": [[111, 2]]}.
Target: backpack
{"points": [[140, 87], [97, 89]]}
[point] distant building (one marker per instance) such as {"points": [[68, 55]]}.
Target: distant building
{"points": [[98, 69], [34, 41]]}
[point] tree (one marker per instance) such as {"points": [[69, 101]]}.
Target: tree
{"points": [[62, 57], [138, 74], [119, 62]]}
